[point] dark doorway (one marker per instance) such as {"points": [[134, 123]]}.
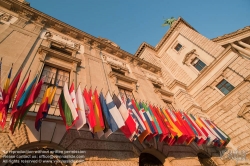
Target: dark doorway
{"points": [[205, 160], [147, 159]]}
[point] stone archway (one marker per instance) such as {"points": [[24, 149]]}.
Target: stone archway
{"points": [[147, 159], [205, 160]]}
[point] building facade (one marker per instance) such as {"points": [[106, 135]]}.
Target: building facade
{"points": [[186, 71]]}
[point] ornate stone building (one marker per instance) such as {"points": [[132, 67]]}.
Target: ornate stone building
{"points": [[187, 71]]}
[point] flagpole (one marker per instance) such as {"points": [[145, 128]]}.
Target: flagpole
{"points": [[105, 73]]}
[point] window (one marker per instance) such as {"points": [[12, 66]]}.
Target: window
{"points": [[53, 75], [125, 94], [178, 47], [225, 87], [198, 64]]}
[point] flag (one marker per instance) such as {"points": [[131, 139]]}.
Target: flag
{"points": [[210, 137], [90, 112], [67, 108], [110, 124], [43, 108], [172, 126], [197, 136], [129, 128], [81, 109], [222, 133], [202, 136], [1, 90], [7, 99], [185, 126], [164, 129], [14, 112], [30, 100], [147, 131], [147, 118], [21, 102], [141, 126], [2, 104], [98, 114], [7, 83], [114, 111]]}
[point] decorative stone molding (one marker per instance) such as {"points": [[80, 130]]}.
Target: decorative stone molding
{"points": [[6, 17], [48, 34], [245, 111], [122, 77], [189, 57], [109, 42], [41, 20], [60, 55]]}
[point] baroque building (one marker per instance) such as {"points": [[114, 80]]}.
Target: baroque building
{"points": [[187, 71]]}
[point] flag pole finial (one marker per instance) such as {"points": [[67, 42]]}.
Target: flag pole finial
{"points": [[78, 84], [85, 86], [95, 87]]}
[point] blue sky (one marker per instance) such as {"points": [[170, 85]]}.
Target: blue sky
{"points": [[128, 23]]}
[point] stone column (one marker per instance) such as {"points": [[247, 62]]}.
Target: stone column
{"points": [[241, 49]]}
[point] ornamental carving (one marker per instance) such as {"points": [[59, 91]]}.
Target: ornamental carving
{"points": [[245, 111], [109, 42], [189, 57], [48, 34], [6, 17]]}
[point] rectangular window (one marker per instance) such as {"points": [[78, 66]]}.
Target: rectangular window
{"points": [[53, 75], [198, 64], [225, 87], [178, 47], [125, 94]]}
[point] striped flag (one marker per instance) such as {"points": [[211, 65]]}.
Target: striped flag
{"points": [[110, 124], [67, 108], [114, 111], [130, 127], [81, 109], [147, 131]]}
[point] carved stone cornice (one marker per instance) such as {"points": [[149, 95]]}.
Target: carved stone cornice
{"points": [[76, 46], [232, 35], [51, 22], [177, 83], [122, 77], [60, 55], [164, 92]]}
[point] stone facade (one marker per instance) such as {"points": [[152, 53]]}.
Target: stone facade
{"points": [[161, 75]]}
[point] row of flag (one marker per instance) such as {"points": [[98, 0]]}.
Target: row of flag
{"points": [[105, 115], [137, 120]]}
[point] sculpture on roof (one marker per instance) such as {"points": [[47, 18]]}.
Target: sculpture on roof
{"points": [[169, 21], [109, 42]]}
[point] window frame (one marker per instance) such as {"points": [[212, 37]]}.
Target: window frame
{"points": [[47, 84], [176, 47], [195, 64], [220, 86]]}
